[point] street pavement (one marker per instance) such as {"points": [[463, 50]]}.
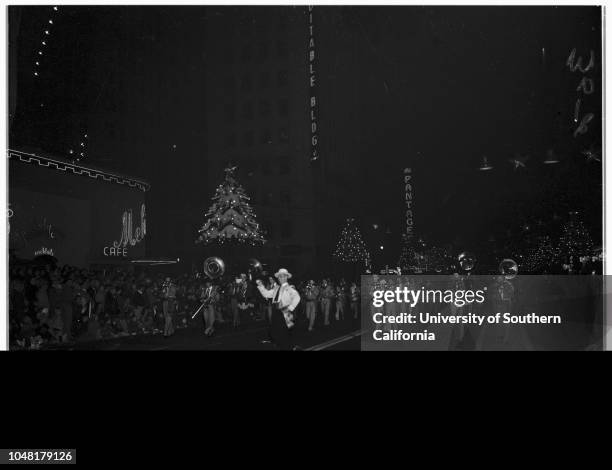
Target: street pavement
{"points": [[248, 337]]}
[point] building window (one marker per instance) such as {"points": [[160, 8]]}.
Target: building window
{"points": [[283, 78], [228, 84], [286, 229], [263, 52], [281, 46], [283, 107], [264, 108], [246, 53], [230, 112], [246, 83], [266, 136], [248, 139], [247, 110], [284, 167], [283, 135], [285, 197], [230, 140], [264, 80]]}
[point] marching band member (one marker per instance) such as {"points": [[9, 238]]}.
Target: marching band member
{"points": [[234, 290], [168, 305], [311, 292], [243, 296], [209, 298], [354, 298], [285, 298], [327, 293], [271, 285], [340, 299]]}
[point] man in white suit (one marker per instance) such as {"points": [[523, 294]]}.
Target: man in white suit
{"points": [[285, 298]]}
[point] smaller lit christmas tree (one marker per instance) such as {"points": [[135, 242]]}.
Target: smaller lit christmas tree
{"points": [[408, 254], [539, 257], [351, 248], [230, 217], [575, 240]]}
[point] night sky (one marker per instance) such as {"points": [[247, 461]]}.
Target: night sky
{"points": [[435, 88]]}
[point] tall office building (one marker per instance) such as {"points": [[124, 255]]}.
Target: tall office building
{"points": [[257, 114]]}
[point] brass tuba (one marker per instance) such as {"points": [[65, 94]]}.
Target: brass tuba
{"points": [[214, 267]]}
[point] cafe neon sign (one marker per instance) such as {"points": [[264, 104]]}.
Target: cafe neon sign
{"points": [[130, 236]]}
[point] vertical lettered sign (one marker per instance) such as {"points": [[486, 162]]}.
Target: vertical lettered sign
{"points": [[408, 200], [312, 81]]}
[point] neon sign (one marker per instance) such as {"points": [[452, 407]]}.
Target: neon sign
{"points": [[130, 236], [44, 251]]}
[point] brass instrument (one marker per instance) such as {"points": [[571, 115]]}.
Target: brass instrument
{"points": [[214, 267]]}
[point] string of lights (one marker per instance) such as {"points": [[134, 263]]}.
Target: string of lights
{"points": [[46, 37], [351, 247]]}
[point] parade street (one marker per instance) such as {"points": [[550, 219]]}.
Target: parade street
{"points": [[340, 336]]}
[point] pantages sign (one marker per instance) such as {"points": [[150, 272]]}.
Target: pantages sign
{"points": [[130, 235], [408, 201]]}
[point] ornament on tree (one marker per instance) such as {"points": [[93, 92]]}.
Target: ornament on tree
{"points": [[351, 247], [230, 217]]}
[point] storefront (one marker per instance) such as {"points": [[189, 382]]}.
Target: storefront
{"points": [[78, 214]]}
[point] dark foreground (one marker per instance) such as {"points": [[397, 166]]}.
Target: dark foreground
{"points": [[342, 335]]}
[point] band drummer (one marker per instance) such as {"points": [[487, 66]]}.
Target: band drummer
{"points": [[285, 299]]}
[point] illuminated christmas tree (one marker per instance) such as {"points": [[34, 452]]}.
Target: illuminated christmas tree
{"points": [[408, 254], [575, 240], [539, 257], [351, 247], [231, 217]]}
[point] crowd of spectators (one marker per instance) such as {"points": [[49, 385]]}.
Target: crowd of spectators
{"points": [[54, 305]]}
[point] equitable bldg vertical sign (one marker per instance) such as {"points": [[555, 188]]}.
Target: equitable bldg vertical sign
{"points": [[314, 137]]}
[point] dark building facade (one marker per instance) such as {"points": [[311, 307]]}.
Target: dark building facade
{"points": [[258, 119]]}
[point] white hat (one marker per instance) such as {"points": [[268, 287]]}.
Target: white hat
{"points": [[283, 271]]}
